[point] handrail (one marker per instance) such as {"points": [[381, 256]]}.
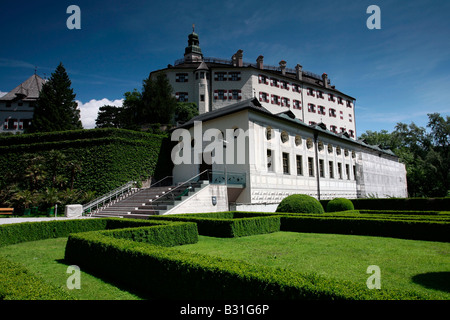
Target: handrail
{"points": [[178, 187], [154, 184], [110, 195]]}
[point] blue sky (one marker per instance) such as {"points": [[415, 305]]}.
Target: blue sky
{"points": [[397, 74]]}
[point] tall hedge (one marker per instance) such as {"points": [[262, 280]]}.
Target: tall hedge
{"points": [[109, 157]]}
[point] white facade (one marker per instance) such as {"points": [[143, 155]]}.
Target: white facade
{"points": [[303, 159]]}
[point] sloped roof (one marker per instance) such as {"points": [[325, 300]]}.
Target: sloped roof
{"points": [[27, 90], [254, 105]]}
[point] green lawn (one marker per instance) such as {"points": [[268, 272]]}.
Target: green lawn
{"points": [[45, 259], [405, 264]]}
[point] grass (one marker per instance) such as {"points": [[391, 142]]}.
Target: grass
{"points": [[405, 264], [45, 259]]}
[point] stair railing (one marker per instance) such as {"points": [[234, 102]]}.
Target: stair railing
{"points": [[126, 189], [170, 195]]}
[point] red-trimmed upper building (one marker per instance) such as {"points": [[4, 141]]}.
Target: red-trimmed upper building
{"points": [[214, 83]]}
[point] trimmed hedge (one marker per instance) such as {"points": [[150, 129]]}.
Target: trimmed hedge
{"points": [[228, 224], [339, 204], [166, 234], [166, 273], [300, 203], [404, 204], [396, 228]]}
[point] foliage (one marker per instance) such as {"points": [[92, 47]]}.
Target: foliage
{"points": [[300, 203], [56, 108], [78, 163], [339, 204], [185, 111], [426, 155], [17, 283]]}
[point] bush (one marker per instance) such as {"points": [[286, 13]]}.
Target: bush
{"points": [[340, 204], [300, 203]]}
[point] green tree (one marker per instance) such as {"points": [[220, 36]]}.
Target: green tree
{"points": [[185, 111], [109, 117], [56, 108], [158, 105]]}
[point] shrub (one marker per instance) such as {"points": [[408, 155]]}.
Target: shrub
{"points": [[300, 203], [340, 204]]}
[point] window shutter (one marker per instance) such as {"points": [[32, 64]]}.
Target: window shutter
{"points": [[177, 78], [260, 96], [230, 94], [259, 79], [224, 94], [272, 99], [239, 94], [186, 78], [186, 97], [271, 82], [177, 95], [216, 94], [5, 125], [216, 76]]}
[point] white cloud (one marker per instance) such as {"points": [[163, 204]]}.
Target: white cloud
{"points": [[89, 110]]}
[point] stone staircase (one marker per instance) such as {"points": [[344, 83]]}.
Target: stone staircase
{"points": [[150, 201]]}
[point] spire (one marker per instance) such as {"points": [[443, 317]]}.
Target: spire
{"points": [[193, 53]]}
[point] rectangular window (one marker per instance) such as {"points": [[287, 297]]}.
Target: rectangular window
{"points": [[347, 171], [274, 82], [284, 85], [354, 172], [181, 77], [285, 102], [297, 105], [202, 97], [295, 88], [332, 113], [276, 99], [285, 163], [331, 97], [340, 101], [321, 110], [234, 76], [263, 79], [340, 170], [220, 76], [263, 97], [299, 165], [331, 169], [181, 96], [321, 168], [310, 92], [311, 166], [311, 108], [349, 104], [269, 161], [222, 94], [320, 94], [333, 129]]}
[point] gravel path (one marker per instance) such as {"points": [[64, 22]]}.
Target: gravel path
{"points": [[19, 220]]}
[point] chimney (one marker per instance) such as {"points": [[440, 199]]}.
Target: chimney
{"points": [[299, 74], [260, 63], [325, 80], [283, 67], [237, 58]]}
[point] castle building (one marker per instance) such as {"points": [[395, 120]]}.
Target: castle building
{"points": [[17, 106], [293, 131], [214, 83]]}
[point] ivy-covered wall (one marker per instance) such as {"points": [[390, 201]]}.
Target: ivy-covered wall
{"points": [[108, 157]]}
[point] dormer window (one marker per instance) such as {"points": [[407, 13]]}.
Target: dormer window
{"points": [[220, 76], [234, 76]]}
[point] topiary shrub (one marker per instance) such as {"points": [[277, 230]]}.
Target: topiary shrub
{"points": [[339, 204], [300, 203]]}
